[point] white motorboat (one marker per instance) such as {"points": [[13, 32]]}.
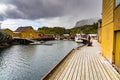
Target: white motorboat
{"points": [[78, 38]]}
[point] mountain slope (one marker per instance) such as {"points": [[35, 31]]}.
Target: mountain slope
{"points": [[86, 22]]}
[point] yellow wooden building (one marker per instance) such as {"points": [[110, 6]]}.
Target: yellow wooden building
{"points": [[99, 30], [110, 31], [25, 32], [116, 50], [8, 31]]}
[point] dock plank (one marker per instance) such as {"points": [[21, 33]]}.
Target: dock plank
{"points": [[90, 69], [62, 67], [85, 63], [80, 68], [67, 69], [59, 70], [100, 70]]}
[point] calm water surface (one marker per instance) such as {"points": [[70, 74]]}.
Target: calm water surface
{"points": [[32, 62]]}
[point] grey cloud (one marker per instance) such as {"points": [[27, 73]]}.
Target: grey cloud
{"points": [[35, 9], [4, 1], [1, 17], [14, 14]]}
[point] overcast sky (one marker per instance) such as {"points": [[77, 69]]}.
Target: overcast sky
{"points": [[37, 13]]}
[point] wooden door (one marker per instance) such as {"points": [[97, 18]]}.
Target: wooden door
{"points": [[117, 48]]}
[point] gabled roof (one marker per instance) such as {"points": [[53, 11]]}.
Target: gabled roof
{"points": [[23, 29], [6, 29]]}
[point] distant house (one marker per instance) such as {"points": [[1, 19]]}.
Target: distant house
{"points": [[72, 36], [8, 31], [66, 36], [25, 32], [93, 36], [5, 37], [46, 36]]}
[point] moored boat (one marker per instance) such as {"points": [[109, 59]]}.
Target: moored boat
{"points": [[78, 38]]}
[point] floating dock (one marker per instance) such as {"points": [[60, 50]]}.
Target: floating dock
{"points": [[86, 63]]}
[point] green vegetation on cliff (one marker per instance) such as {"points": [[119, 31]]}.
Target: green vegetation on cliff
{"points": [[87, 29], [49, 30]]}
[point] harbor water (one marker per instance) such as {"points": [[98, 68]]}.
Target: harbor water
{"points": [[32, 62]]}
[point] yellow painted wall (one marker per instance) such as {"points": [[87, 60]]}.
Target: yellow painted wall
{"points": [[117, 49], [107, 29], [117, 18], [17, 35], [99, 35], [10, 32], [33, 33], [111, 31], [30, 33], [107, 12], [117, 36], [107, 41]]}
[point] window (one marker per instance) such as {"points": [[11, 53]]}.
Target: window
{"points": [[117, 2]]}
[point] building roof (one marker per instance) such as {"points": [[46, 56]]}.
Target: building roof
{"points": [[66, 34], [23, 29], [92, 34], [6, 29]]}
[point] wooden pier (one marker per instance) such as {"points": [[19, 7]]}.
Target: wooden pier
{"points": [[85, 63]]}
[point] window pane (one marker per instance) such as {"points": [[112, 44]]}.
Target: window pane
{"points": [[117, 2]]}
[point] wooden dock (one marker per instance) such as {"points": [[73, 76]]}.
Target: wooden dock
{"points": [[85, 63]]}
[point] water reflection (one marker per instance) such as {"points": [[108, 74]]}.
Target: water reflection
{"points": [[31, 62]]}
